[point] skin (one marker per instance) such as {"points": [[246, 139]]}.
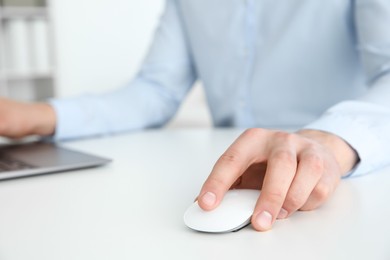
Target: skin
{"points": [[20, 119], [295, 171]]}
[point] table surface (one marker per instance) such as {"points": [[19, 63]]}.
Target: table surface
{"points": [[133, 208]]}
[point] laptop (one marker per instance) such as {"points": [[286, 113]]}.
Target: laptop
{"points": [[37, 158]]}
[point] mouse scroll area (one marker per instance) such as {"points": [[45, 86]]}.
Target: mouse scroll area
{"points": [[233, 213]]}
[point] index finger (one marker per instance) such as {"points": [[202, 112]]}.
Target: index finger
{"points": [[245, 151]]}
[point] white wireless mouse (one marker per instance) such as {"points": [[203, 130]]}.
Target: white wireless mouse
{"points": [[233, 213]]}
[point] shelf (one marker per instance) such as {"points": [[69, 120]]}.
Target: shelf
{"points": [[25, 75], [23, 12], [25, 52]]}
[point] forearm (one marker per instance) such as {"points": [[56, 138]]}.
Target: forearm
{"points": [[134, 107]]}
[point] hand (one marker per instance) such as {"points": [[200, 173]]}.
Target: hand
{"points": [[296, 171], [19, 119]]}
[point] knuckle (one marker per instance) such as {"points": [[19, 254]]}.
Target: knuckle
{"points": [[254, 132], [285, 156], [321, 192], [231, 158], [285, 137], [294, 201], [275, 197], [316, 162], [311, 146], [214, 183]]}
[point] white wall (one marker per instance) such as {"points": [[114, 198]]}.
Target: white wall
{"points": [[101, 43]]}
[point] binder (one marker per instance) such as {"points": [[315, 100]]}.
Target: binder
{"points": [[18, 47], [40, 46], [23, 2]]}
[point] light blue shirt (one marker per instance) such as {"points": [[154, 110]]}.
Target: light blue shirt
{"points": [[264, 63]]}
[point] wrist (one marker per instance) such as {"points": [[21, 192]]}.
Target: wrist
{"points": [[344, 154]]}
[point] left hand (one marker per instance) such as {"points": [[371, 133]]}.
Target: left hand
{"points": [[20, 119], [295, 171]]}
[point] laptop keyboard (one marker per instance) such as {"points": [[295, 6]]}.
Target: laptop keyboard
{"points": [[9, 164]]}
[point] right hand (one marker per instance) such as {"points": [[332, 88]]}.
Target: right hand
{"points": [[20, 119], [295, 171]]}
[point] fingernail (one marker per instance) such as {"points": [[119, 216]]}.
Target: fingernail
{"points": [[264, 220], [209, 199], [282, 214]]}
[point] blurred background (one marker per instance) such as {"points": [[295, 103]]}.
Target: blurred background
{"points": [[63, 48]]}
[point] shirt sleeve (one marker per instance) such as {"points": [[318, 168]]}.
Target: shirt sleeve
{"points": [[150, 100], [365, 123]]}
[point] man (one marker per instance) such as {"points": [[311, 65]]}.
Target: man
{"points": [[319, 66]]}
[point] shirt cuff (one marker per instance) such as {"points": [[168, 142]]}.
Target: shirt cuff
{"points": [[357, 134], [72, 119]]}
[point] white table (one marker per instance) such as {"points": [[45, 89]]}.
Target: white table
{"points": [[133, 209]]}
